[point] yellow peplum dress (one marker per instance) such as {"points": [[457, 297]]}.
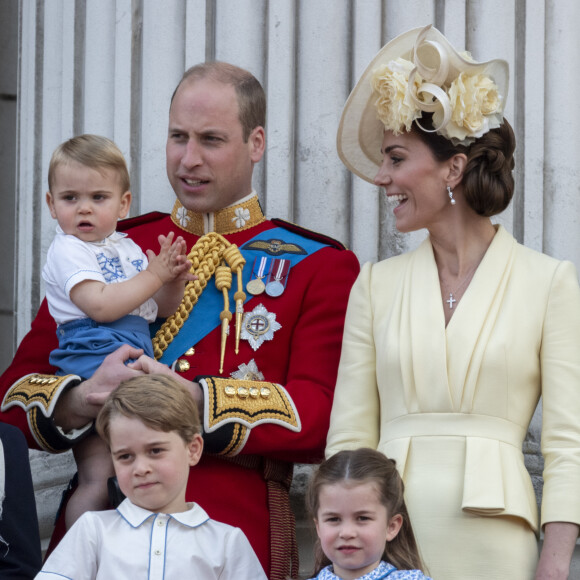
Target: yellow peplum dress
{"points": [[452, 405]]}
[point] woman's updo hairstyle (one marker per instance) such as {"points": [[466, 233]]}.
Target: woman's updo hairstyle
{"points": [[488, 182]]}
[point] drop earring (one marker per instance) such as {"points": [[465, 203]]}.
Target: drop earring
{"points": [[450, 193]]}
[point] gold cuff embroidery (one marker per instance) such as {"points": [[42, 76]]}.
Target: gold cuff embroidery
{"points": [[41, 391], [249, 403], [239, 438], [37, 395]]}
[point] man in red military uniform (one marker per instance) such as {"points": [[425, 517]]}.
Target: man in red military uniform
{"points": [[262, 374]]}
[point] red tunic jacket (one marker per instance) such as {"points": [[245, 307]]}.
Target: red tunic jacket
{"points": [[302, 357]]}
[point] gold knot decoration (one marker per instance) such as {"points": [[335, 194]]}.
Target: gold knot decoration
{"points": [[211, 254]]}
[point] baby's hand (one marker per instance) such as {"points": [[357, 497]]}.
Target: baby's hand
{"points": [[171, 263]]}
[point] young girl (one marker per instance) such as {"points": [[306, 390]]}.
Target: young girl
{"points": [[364, 531]]}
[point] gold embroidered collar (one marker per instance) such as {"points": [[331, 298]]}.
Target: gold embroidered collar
{"points": [[241, 216]]}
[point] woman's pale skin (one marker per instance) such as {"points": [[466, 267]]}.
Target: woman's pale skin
{"points": [[416, 182]]}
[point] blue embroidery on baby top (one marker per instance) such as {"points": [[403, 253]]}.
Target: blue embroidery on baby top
{"points": [[138, 265], [111, 268]]}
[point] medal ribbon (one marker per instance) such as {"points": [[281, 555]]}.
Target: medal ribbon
{"points": [[259, 272], [281, 267], [200, 322]]}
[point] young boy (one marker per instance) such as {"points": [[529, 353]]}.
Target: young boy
{"points": [[151, 426], [101, 289]]}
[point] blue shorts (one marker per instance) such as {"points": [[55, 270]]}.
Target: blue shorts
{"points": [[84, 343]]}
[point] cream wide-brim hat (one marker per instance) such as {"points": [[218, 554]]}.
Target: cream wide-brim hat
{"points": [[360, 132]]}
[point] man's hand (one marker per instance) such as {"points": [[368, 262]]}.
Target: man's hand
{"points": [[81, 404], [149, 366]]}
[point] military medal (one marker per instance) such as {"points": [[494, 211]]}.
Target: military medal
{"points": [[256, 286], [258, 326], [274, 288], [278, 277], [248, 372]]}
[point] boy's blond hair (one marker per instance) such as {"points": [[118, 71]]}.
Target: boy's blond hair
{"points": [[92, 151], [159, 401]]}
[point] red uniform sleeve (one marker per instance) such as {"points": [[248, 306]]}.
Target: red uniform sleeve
{"points": [[313, 362], [304, 360]]}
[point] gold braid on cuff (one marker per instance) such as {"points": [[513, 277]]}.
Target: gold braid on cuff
{"points": [[248, 403], [41, 391], [37, 395]]}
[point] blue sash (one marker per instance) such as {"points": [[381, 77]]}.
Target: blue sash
{"points": [[202, 320]]}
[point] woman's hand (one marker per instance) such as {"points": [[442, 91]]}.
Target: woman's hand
{"points": [[559, 543]]}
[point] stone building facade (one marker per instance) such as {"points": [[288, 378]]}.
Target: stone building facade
{"points": [[110, 66]]}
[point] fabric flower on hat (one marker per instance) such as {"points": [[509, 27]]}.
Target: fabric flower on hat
{"points": [[395, 108], [475, 105], [437, 80], [416, 75]]}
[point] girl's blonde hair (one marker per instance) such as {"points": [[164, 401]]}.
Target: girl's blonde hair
{"points": [[363, 466], [159, 401]]}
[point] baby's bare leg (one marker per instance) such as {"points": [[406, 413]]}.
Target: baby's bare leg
{"points": [[94, 468]]}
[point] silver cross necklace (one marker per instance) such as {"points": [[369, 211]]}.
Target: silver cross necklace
{"points": [[456, 294]]}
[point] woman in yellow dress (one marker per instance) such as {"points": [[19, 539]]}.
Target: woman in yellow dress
{"points": [[448, 348]]}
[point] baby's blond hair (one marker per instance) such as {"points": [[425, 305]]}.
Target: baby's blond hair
{"points": [[92, 151]]}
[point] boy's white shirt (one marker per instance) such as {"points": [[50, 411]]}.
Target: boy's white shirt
{"points": [[70, 261], [133, 543]]}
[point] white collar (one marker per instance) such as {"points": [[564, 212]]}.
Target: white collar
{"points": [[137, 516]]}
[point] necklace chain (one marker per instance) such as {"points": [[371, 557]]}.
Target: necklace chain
{"points": [[451, 300]]}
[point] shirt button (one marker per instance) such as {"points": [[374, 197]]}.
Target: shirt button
{"points": [[160, 522], [158, 552]]}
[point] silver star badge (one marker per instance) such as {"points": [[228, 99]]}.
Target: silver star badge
{"points": [[258, 326], [248, 372]]}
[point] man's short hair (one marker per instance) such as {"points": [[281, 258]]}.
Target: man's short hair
{"points": [[92, 151], [249, 91], [159, 401]]}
